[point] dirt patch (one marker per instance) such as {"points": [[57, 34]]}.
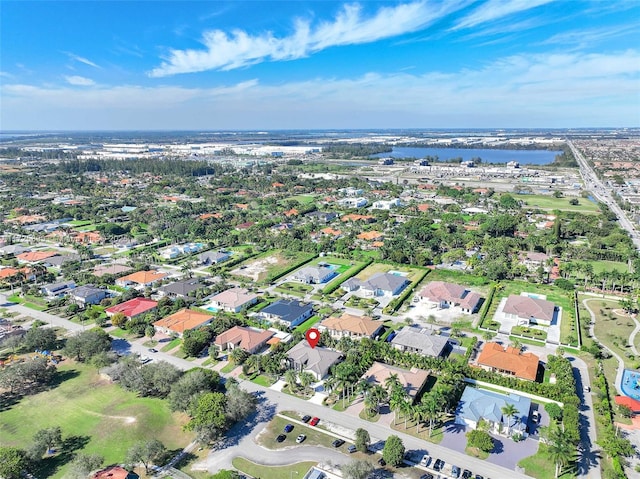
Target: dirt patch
{"points": [[257, 270]]}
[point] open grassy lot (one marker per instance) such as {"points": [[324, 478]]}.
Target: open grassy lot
{"points": [[600, 266], [296, 289], [298, 469], [302, 199], [541, 466], [102, 417], [613, 327], [479, 284], [271, 265], [549, 202]]}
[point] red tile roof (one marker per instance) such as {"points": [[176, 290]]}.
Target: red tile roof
{"points": [[133, 307]]}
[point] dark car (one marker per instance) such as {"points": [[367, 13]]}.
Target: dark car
{"points": [[314, 421], [382, 462], [352, 448], [466, 474], [478, 476], [428, 475], [288, 428], [281, 438], [153, 350], [455, 472], [438, 465], [337, 443], [306, 418]]}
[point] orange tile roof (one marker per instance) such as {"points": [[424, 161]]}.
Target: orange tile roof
{"points": [[34, 256], [361, 325], [113, 472], [424, 207], [183, 320], [11, 272], [143, 277], [331, 231], [377, 244], [242, 206], [370, 235], [356, 217], [277, 185], [245, 338], [291, 212], [524, 366]]}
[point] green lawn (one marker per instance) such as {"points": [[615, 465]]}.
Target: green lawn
{"points": [[549, 202], [307, 324], [170, 345], [541, 466], [298, 469], [600, 266], [101, 416], [302, 199], [315, 435], [612, 329]]}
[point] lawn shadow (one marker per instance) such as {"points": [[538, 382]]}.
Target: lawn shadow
{"points": [[51, 464]]}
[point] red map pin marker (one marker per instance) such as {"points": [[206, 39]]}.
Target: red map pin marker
{"points": [[313, 337]]}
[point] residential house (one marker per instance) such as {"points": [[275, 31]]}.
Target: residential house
{"points": [[420, 341], [58, 260], [132, 308], [359, 202], [510, 361], [386, 204], [87, 295], [351, 326], [322, 216], [57, 290], [35, 256], [213, 257], [412, 380], [8, 274], [233, 300], [12, 250], [182, 288], [317, 361], [314, 274], [380, 284], [530, 309], [479, 404], [113, 269], [356, 217], [443, 295], [534, 260], [141, 279], [181, 321], [289, 312], [250, 340], [176, 250]]}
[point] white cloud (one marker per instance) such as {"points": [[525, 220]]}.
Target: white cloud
{"points": [[496, 9], [237, 49], [78, 80], [80, 59], [551, 90]]}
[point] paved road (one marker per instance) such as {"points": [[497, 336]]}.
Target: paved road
{"points": [[241, 441], [601, 193]]}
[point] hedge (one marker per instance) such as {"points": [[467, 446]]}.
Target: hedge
{"points": [[486, 306]]}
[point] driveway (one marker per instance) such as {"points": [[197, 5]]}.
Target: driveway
{"points": [[506, 452]]}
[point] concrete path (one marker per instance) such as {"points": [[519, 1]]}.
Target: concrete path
{"points": [[632, 336]]}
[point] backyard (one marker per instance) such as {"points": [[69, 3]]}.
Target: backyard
{"points": [[95, 415], [271, 265]]}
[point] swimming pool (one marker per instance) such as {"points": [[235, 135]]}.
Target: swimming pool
{"points": [[631, 383], [212, 309], [399, 273]]}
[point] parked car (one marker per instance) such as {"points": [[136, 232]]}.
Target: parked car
{"points": [[428, 475], [352, 449], [478, 476], [535, 417], [300, 438], [306, 418], [426, 460], [382, 462], [438, 465], [153, 350], [466, 474], [455, 472], [337, 443], [281, 437], [314, 421], [288, 428]]}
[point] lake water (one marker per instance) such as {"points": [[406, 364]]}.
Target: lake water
{"points": [[524, 157]]}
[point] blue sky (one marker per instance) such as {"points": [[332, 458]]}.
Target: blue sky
{"points": [[206, 65]]}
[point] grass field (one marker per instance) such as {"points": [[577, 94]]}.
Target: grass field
{"points": [[374, 268], [541, 466], [613, 329], [600, 266], [302, 199], [271, 264], [298, 469], [549, 202], [100, 416]]}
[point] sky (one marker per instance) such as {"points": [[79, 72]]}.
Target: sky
{"points": [[246, 65]]}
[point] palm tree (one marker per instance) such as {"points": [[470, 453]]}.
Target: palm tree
{"points": [[291, 377], [431, 404], [306, 379], [509, 410], [560, 450]]}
